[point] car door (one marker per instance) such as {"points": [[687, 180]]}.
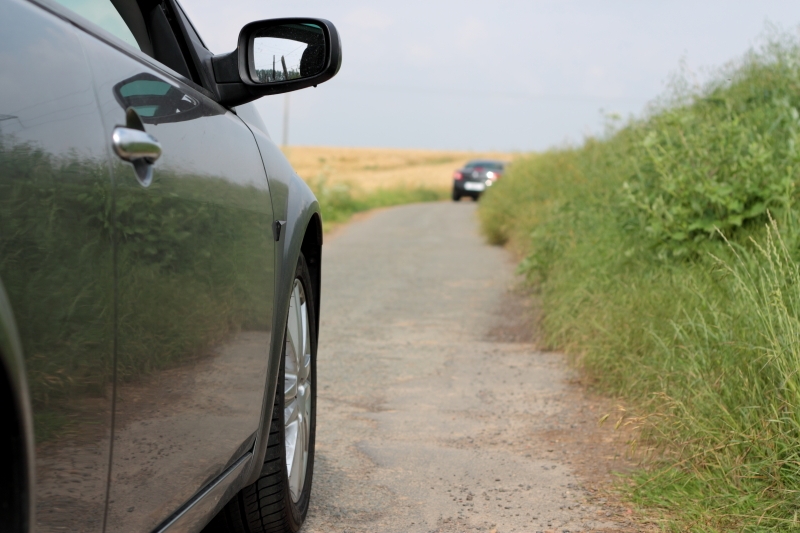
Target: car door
{"points": [[56, 259], [195, 277]]}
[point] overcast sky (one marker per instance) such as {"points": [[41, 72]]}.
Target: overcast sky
{"points": [[493, 75]]}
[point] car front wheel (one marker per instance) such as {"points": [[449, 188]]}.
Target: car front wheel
{"points": [[278, 501]]}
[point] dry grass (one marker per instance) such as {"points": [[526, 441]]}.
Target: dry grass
{"points": [[369, 169]]}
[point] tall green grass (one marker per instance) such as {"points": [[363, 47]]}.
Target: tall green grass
{"points": [[666, 256]]}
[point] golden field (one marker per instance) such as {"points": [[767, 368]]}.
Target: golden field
{"points": [[369, 169]]}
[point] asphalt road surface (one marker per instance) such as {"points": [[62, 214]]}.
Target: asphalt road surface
{"points": [[432, 414]]}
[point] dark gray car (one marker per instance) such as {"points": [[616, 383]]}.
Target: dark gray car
{"points": [[159, 272], [475, 177]]}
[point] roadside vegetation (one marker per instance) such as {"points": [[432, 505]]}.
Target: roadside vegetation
{"points": [[665, 254], [350, 180], [341, 201], [381, 168]]}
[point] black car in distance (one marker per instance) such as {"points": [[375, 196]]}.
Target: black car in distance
{"points": [[475, 177], [159, 272]]}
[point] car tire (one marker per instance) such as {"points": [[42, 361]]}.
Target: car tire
{"points": [[456, 196], [278, 501], [476, 197]]}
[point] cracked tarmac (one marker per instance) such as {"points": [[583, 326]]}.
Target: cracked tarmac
{"points": [[436, 412]]}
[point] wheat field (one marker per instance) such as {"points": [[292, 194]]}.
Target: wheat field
{"points": [[370, 169]]}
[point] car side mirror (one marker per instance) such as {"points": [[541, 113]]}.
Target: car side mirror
{"points": [[277, 56]]}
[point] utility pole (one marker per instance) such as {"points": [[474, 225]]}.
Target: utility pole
{"points": [[286, 120]]}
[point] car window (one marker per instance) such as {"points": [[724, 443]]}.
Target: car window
{"points": [[149, 31], [104, 14]]}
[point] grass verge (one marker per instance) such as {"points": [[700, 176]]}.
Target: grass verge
{"points": [[666, 257], [341, 201]]}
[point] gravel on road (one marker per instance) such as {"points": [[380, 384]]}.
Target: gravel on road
{"points": [[436, 413]]}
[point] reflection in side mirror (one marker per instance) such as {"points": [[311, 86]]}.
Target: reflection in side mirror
{"points": [[288, 52], [276, 56]]}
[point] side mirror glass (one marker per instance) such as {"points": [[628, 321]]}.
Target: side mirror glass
{"points": [[277, 56], [288, 52]]}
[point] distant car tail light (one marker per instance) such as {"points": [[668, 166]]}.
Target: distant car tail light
{"points": [[458, 175]]}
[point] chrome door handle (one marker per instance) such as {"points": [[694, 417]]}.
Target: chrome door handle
{"points": [[135, 145], [138, 147]]}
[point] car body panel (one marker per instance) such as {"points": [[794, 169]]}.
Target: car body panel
{"points": [[195, 289], [295, 204], [476, 177], [114, 281], [56, 259], [210, 500]]}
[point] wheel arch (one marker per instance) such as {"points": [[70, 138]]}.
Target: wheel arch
{"points": [[311, 248], [17, 462], [302, 234]]}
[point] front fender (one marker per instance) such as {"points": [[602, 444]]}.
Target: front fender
{"points": [[295, 204]]}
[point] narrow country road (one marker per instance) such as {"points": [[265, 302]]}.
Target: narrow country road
{"points": [[432, 414]]}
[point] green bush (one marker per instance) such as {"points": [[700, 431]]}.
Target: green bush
{"points": [[662, 274], [721, 161]]}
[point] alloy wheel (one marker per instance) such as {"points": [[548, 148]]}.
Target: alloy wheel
{"points": [[297, 390]]}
